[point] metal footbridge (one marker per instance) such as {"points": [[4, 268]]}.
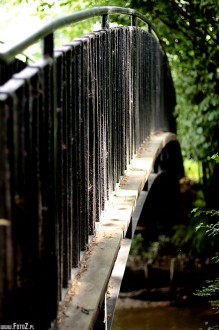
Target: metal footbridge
{"points": [[85, 133]]}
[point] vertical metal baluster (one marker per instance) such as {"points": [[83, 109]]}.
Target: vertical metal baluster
{"points": [[113, 112], [119, 93], [150, 82], [7, 267], [67, 163], [87, 134], [133, 20], [102, 120], [69, 146], [147, 82], [153, 81], [47, 170], [157, 87], [71, 186], [48, 45], [161, 106], [127, 99], [104, 151], [31, 171], [87, 128], [108, 86], [76, 153], [123, 97], [96, 194], [142, 86], [20, 228], [131, 100], [84, 145], [65, 187], [130, 106], [59, 169], [124, 100], [115, 122], [75, 225], [90, 120], [98, 138], [136, 87], [110, 112], [105, 21], [80, 135], [40, 126], [145, 123]]}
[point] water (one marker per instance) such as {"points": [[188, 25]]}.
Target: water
{"points": [[164, 317]]}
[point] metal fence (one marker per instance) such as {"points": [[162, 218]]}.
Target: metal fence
{"points": [[69, 126]]}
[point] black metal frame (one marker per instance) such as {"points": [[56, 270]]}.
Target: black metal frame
{"points": [[69, 126]]}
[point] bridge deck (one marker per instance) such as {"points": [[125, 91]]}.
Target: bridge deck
{"points": [[87, 291]]}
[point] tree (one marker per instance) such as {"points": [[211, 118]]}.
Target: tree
{"points": [[189, 30]]}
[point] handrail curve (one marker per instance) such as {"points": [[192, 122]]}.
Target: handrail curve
{"points": [[9, 53]]}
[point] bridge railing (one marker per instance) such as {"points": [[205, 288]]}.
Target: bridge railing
{"points": [[69, 126]]}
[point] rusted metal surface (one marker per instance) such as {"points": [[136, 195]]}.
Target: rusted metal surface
{"points": [[69, 126]]}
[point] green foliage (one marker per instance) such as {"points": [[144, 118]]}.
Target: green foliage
{"points": [[193, 243], [210, 224], [139, 251], [192, 169], [189, 30], [215, 157], [137, 247], [207, 216], [210, 290], [157, 247]]}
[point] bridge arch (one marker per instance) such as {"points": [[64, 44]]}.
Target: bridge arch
{"points": [[162, 205]]}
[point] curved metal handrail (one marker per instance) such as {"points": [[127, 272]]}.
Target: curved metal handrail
{"points": [[49, 28]]}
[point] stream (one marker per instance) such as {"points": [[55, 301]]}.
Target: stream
{"points": [[162, 316]]}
